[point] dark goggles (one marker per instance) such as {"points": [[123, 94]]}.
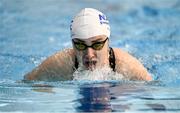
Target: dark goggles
{"points": [[96, 46]]}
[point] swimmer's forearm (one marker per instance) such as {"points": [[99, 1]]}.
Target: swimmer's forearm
{"points": [[146, 77], [29, 76], [141, 74], [32, 75], [39, 73]]}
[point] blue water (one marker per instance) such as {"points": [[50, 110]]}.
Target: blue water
{"points": [[32, 30]]}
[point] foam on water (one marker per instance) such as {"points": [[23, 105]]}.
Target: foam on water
{"points": [[104, 73]]}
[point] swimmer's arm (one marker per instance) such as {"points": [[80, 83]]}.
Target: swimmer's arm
{"points": [[130, 67], [43, 71], [56, 67]]}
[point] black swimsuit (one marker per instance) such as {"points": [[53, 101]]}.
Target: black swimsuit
{"points": [[111, 60]]}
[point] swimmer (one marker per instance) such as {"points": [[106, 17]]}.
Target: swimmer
{"points": [[90, 35]]}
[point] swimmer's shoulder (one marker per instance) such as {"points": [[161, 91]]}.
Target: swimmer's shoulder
{"points": [[64, 54], [56, 67], [63, 57], [123, 58], [63, 60], [130, 66], [121, 54]]}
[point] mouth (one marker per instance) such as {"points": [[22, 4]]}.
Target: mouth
{"points": [[90, 64]]}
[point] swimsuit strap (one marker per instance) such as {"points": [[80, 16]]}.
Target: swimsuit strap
{"points": [[76, 64], [111, 60]]}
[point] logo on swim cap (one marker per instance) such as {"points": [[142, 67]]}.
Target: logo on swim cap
{"points": [[88, 23], [71, 25], [103, 19]]}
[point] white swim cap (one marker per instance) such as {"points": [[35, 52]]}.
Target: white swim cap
{"points": [[89, 23]]}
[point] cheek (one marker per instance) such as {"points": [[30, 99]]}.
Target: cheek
{"points": [[102, 54]]}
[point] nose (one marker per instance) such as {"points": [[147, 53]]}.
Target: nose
{"points": [[89, 53]]}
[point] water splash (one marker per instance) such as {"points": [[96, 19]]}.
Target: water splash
{"points": [[104, 73]]}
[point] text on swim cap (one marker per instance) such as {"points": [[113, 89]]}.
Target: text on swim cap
{"points": [[71, 25], [103, 19]]}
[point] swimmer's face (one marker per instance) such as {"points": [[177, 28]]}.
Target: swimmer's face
{"points": [[92, 52]]}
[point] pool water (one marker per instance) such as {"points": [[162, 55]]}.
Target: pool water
{"points": [[32, 30]]}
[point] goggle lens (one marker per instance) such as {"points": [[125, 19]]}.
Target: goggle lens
{"points": [[95, 46]]}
